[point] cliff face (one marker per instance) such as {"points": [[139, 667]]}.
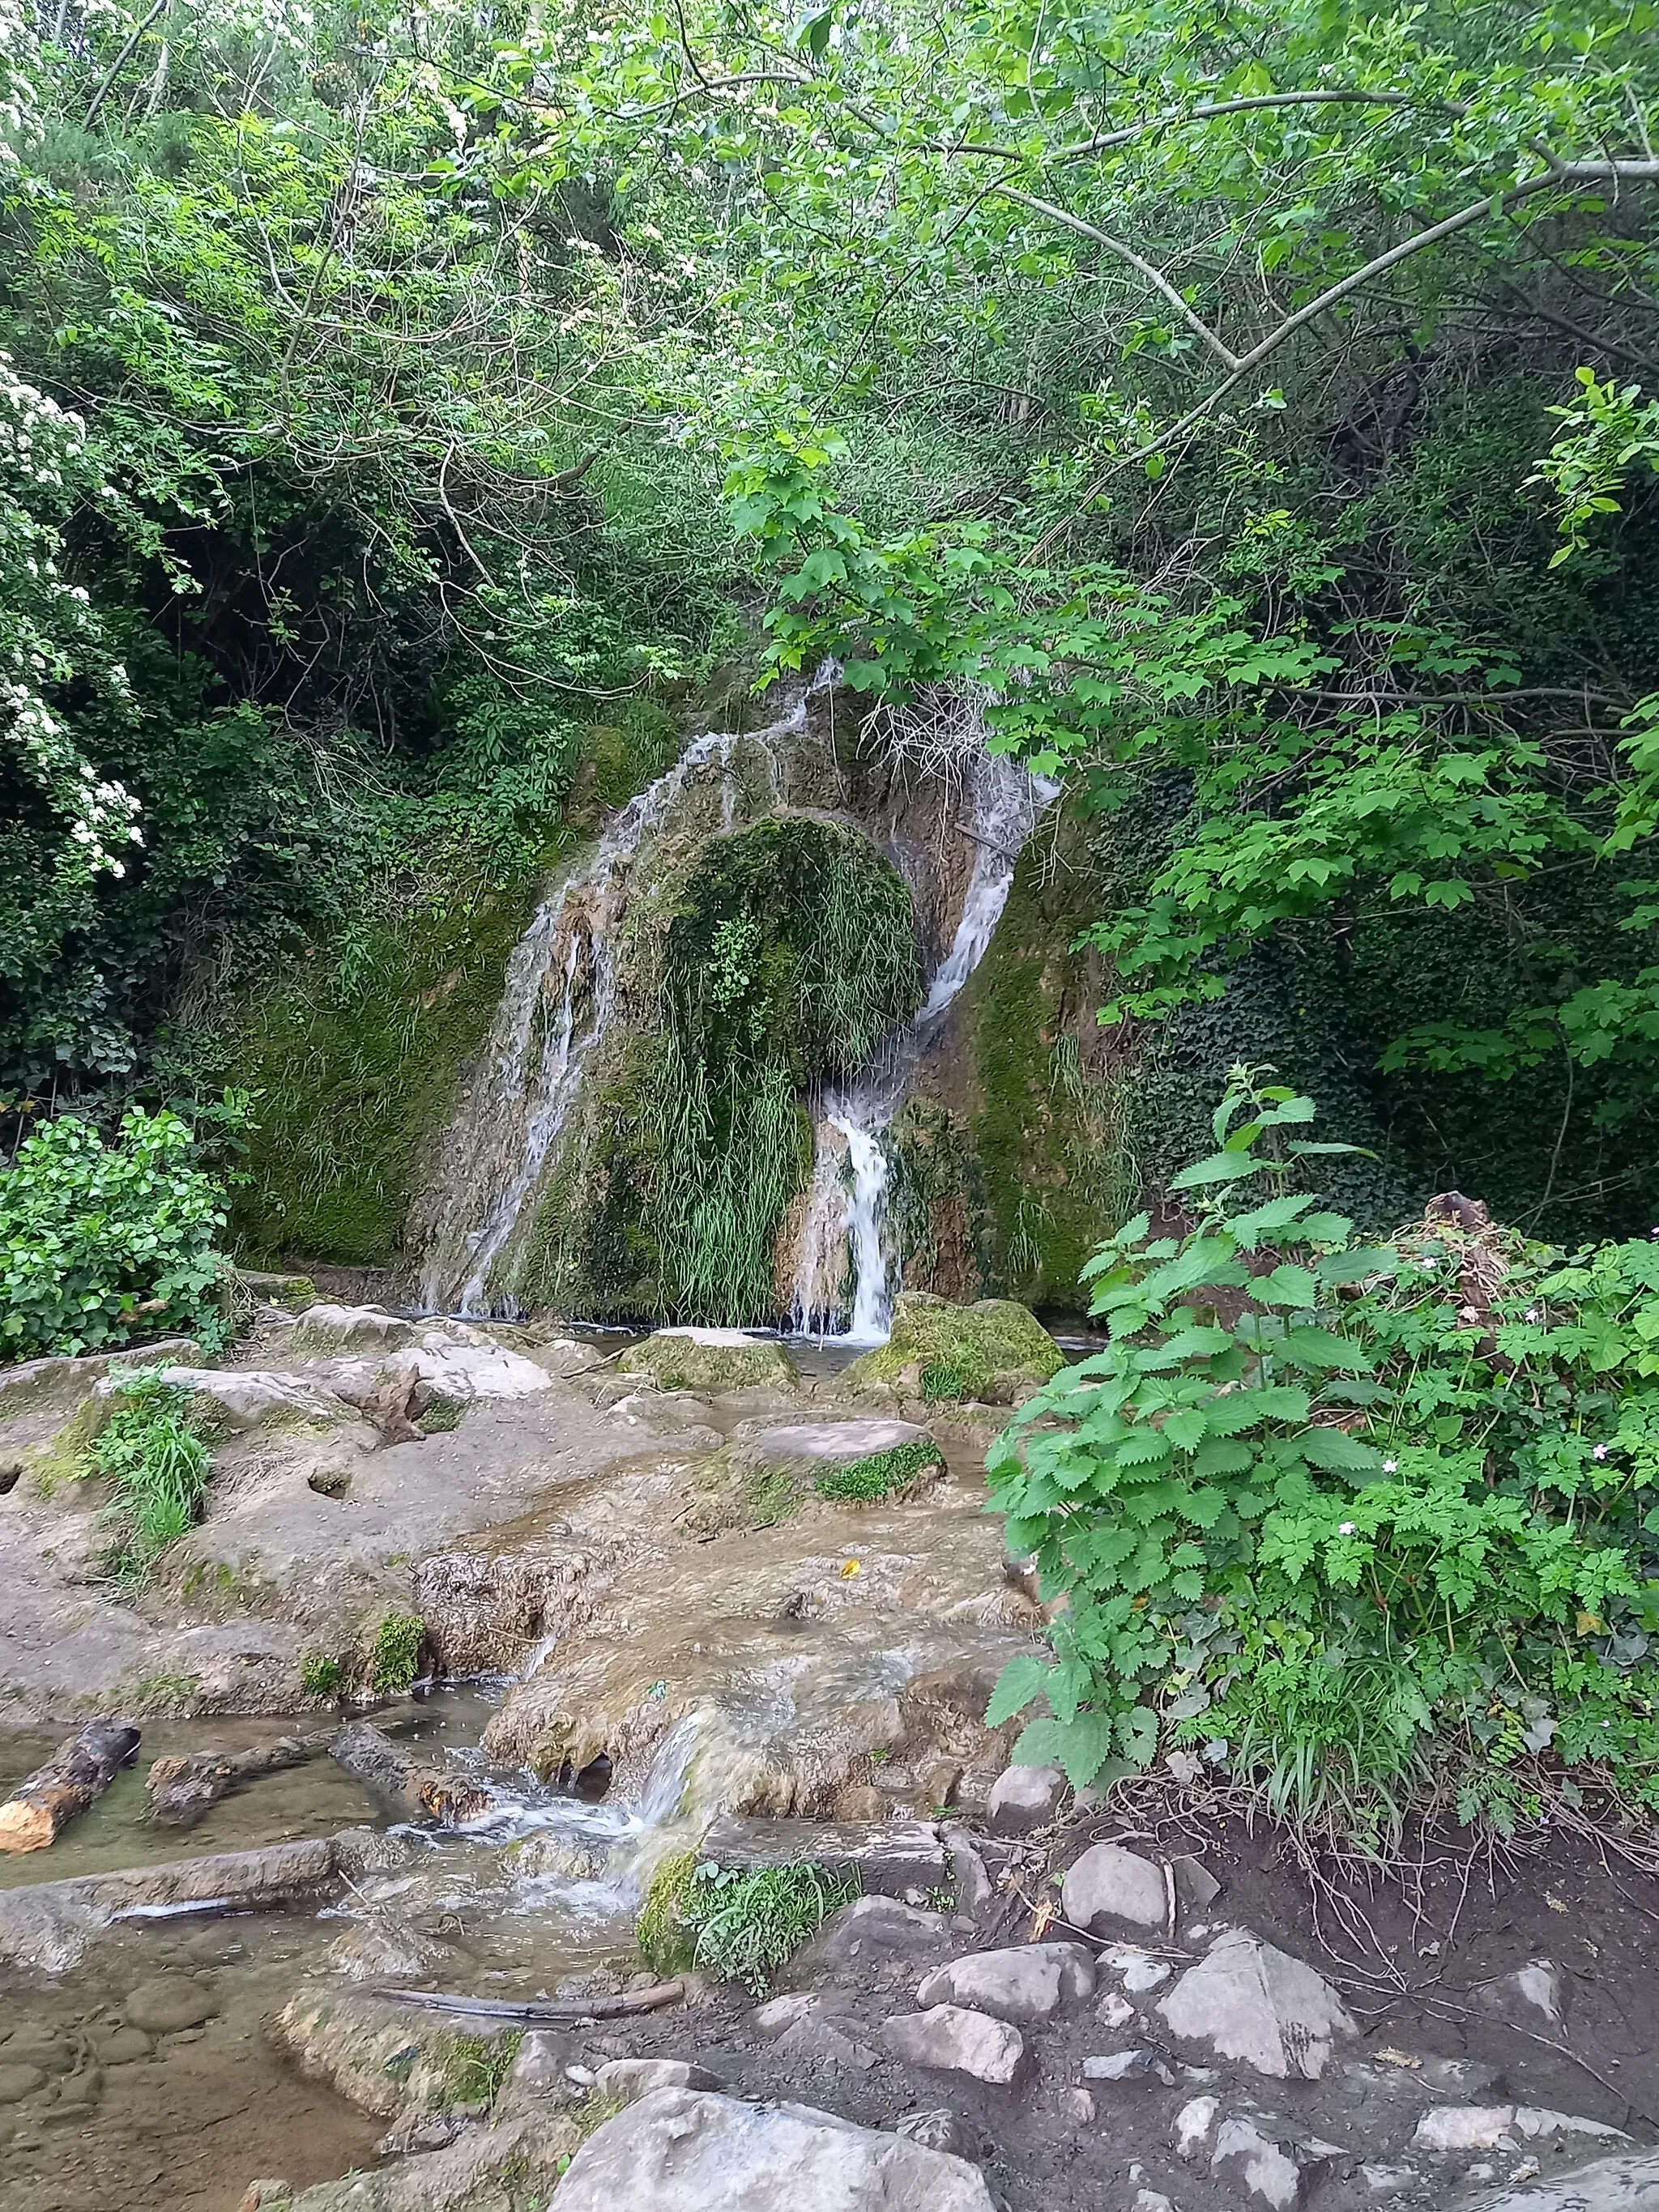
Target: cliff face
{"points": [[639, 1067]]}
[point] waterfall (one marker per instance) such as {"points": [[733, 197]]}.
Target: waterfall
{"points": [[556, 1006], [848, 1205]]}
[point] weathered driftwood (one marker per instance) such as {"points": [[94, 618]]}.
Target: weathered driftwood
{"points": [[401, 1784], [75, 1776], [562, 2009], [181, 1790]]}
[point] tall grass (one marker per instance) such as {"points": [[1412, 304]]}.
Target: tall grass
{"points": [[159, 1469]]}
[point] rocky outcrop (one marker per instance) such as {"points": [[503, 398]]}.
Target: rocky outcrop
{"points": [[680, 2151], [1248, 2001], [709, 1359], [995, 1351]]}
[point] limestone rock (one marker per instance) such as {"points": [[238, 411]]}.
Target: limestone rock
{"points": [[994, 1351], [834, 1444], [940, 2128], [331, 1332], [1449, 2128], [778, 2014], [17, 2082], [168, 2003], [1533, 1994], [631, 2079], [889, 1857], [1246, 2000], [1265, 2169], [234, 1399], [1110, 1883], [870, 1931], [1025, 1797], [1193, 2124], [1027, 1982], [973, 1887], [460, 1362], [1143, 2063], [815, 2043], [709, 1360], [1625, 2184], [493, 2165], [680, 2151], [951, 2040]]}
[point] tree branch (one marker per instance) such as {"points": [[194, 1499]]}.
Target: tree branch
{"points": [[122, 58]]}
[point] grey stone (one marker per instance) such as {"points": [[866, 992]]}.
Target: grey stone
{"points": [[1080, 2107], [1140, 1971], [1027, 1982], [814, 2041], [633, 2078], [680, 2150], [938, 2128], [869, 1930], [1625, 2184], [1023, 1798], [1108, 1883], [951, 2040], [168, 2003], [1196, 1887], [1153, 2200], [1246, 2000], [1263, 2166], [1193, 2124], [1143, 2063], [17, 2082], [1114, 2011], [1537, 1991], [777, 2015], [1450, 2128], [1387, 2181], [974, 1889], [834, 1443]]}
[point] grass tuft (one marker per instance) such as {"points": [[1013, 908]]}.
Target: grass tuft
{"points": [[158, 1468], [740, 1925], [880, 1475], [394, 1656]]}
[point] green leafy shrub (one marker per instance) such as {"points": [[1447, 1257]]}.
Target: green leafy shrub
{"points": [[394, 1656], [880, 1475], [97, 1240], [478, 2066], [740, 1925], [320, 1674], [1374, 1526], [158, 1468]]}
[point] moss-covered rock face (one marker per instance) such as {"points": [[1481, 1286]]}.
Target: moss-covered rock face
{"points": [[709, 1359], [994, 1352]]}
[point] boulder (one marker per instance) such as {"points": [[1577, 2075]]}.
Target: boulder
{"points": [[233, 1400], [834, 1444], [1629, 2183], [1143, 2063], [169, 2002], [460, 1363], [680, 2150], [331, 1332], [951, 2040], [709, 1359], [938, 2129], [994, 1352], [1246, 2000], [871, 1931], [1534, 1994], [1110, 1883], [1025, 1797], [1451, 2128], [1030, 1981]]}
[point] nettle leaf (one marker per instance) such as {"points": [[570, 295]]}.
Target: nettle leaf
{"points": [[1186, 1428], [1287, 1286], [1144, 1447], [1220, 1167], [1339, 1453], [1080, 1748], [1318, 1347], [1196, 1344], [1222, 1455], [1021, 1682]]}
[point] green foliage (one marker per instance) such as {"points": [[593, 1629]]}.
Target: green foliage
{"points": [[320, 1674], [394, 1655], [478, 2064], [98, 1239], [880, 1475], [1374, 1524], [739, 1926], [157, 1466]]}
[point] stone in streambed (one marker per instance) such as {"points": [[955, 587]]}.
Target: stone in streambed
{"points": [[1027, 1982], [169, 2004], [1535, 1992], [709, 1360], [1248, 2001], [889, 1857], [872, 1930], [1110, 1883], [17, 2082], [994, 1351], [1023, 1798], [951, 2040], [834, 1444], [680, 2151], [1629, 2183], [1264, 2167], [629, 2079]]}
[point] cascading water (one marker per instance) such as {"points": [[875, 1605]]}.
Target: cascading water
{"points": [[556, 1005], [847, 1212]]}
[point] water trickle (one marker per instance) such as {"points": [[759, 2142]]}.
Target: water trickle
{"points": [[848, 1208], [556, 1005]]}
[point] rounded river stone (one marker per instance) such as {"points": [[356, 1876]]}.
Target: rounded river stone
{"points": [[171, 2004]]}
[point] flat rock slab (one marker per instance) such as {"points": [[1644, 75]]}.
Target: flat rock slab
{"points": [[1027, 1982], [1248, 2001], [834, 1443], [248, 1397], [890, 1857], [680, 2150], [1627, 2184], [872, 1930], [168, 2003]]}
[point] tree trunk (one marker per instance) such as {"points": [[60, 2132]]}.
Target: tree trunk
{"points": [[405, 1788], [182, 1789], [75, 1776]]}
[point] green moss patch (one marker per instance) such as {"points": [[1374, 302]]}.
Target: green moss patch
{"points": [[989, 1350], [675, 1362], [741, 1925], [881, 1477], [394, 1653]]}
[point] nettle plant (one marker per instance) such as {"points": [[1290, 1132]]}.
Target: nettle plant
{"points": [[1369, 1528]]}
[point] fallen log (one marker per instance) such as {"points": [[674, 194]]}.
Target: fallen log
{"points": [[75, 1776], [180, 1791], [547, 2011], [401, 1784]]}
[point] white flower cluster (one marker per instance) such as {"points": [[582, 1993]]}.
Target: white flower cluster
{"points": [[102, 815]]}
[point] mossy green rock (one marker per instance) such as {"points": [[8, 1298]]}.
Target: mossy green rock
{"points": [[994, 1351], [709, 1359]]}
